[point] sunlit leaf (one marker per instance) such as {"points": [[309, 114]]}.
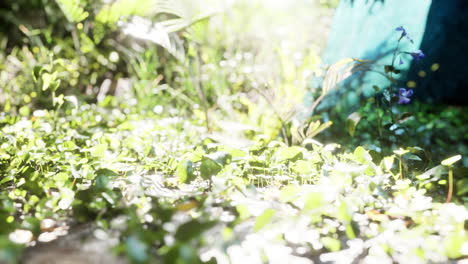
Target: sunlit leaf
{"points": [[98, 150], [401, 152], [61, 178], [243, 211], [222, 158], [302, 167], [352, 122], [73, 10], [185, 171], [362, 155], [264, 219], [317, 128], [454, 242], [313, 200], [450, 161], [67, 197], [337, 73], [289, 154], [209, 167], [331, 244], [388, 162], [289, 193], [37, 71]]}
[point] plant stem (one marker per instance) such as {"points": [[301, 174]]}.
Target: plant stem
{"points": [[199, 87], [282, 121], [390, 76], [450, 185], [401, 167], [379, 119]]}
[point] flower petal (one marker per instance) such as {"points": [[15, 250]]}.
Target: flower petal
{"points": [[403, 100], [400, 28], [418, 54]]}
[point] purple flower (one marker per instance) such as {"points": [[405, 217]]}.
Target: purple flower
{"points": [[417, 55], [403, 96], [403, 33], [402, 29]]}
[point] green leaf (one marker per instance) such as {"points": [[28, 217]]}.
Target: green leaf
{"points": [[235, 153], [67, 197], [337, 73], [435, 172], [73, 100], [103, 178], [289, 154], [47, 79], [24, 110], [462, 186], [450, 161], [289, 193], [388, 162], [32, 224], [192, 229], [243, 211], [313, 200], [61, 178], [403, 117], [345, 215], [98, 150], [221, 157], [413, 157], [197, 155], [264, 219], [136, 249], [72, 10], [302, 167], [208, 168], [185, 171], [111, 13], [401, 152], [453, 244], [331, 244], [36, 73], [340, 71], [57, 100], [182, 253], [344, 212], [361, 155], [352, 122], [316, 128]]}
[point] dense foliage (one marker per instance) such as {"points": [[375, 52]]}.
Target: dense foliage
{"points": [[186, 141]]}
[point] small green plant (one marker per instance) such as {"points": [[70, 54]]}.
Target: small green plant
{"points": [[385, 100], [449, 162]]}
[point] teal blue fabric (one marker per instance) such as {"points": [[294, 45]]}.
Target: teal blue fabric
{"points": [[445, 43], [365, 29]]}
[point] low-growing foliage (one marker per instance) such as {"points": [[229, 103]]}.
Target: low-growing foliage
{"points": [[197, 149]]}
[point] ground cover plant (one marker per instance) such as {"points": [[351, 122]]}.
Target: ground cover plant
{"points": [[188, 142]]}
